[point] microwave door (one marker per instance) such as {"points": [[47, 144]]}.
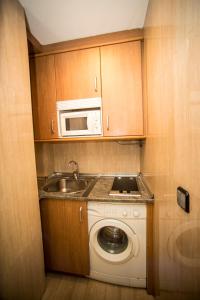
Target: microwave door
{"points": [[73, 124]]}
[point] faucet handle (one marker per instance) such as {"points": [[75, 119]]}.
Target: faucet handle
{"points": [[73, 164], [75, 169]]}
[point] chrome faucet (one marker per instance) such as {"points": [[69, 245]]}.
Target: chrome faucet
{"points": [[74, 165]]}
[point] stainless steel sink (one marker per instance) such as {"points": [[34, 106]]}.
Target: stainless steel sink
{"points": [[68, 185]]}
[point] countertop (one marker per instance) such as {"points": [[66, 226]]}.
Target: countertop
{"points": [[100, 191]]}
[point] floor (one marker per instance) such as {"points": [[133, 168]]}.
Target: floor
{"points": [[60, 287]]}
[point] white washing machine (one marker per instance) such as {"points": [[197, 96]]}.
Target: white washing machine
{"points": [[117, 234]]}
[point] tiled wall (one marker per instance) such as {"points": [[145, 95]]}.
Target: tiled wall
{"points": [[93, 157]]}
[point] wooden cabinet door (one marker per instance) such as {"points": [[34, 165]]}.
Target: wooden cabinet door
{"points": [[78, 74], [43, 91], [122, 89], [65, 235]]}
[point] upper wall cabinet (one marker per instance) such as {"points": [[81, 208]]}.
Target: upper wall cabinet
{"points": [[112, 72], [78, 74], [43, 91], [122, 89]]}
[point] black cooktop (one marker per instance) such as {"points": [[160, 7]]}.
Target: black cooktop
{"points": [[124, 185]]}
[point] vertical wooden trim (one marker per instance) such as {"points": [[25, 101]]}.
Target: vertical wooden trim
{"points": [[37, 47], [33, 44], [144, 92], [150, 260]]}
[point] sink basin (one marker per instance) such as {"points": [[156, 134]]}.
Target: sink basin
{"points": [[67, 185]]}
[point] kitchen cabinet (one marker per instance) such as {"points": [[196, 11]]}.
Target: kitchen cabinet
{"points": [[43, 90], [112, 72], [78, 74], [122, 89], [65, 235]]}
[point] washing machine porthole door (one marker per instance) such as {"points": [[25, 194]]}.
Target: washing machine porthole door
{"points": [[113, 240]]}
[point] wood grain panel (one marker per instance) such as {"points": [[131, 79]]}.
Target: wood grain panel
{"points": [[78, 74], [122, 89], [170, 157], [93, 41], [65, 235], [44, 158], [21, 252], [93, 157], [150, 251], [43, 90], [35, 46]]}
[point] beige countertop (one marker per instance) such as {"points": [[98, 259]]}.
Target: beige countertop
{"points": [[100, 192]]}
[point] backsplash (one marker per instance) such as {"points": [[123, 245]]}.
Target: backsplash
{"points": [[92, 157]]}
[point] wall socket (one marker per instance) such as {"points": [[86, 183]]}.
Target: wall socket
{"points": [[183, 199]]}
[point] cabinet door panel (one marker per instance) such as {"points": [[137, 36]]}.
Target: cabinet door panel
{"points": [[43, 91], [122, 89], [65, 235], [78, 74]]}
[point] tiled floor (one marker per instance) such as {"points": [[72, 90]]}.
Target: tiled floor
{"points": [[60, 287]]}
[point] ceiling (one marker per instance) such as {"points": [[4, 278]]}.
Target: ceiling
{"points": [[53, 21]]}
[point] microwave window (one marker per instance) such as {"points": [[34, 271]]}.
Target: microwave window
{"points": [[76, 124]]}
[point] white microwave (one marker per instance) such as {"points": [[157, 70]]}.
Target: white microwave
{"points": [[80, 117]]}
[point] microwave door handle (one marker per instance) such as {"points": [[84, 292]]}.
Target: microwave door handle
{"points": [[95, 84], [52, 127], [88, 122], [108, 122]]}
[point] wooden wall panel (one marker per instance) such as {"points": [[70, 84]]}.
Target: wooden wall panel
{"points": [[21, 253], [171, 155], [93, 157]]}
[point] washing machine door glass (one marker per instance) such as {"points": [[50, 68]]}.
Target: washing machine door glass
{"points": [[112, 239]]}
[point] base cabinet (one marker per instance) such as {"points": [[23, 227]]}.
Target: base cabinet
{"points": [[65, 235]]}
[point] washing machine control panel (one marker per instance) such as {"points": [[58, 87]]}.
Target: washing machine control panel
{"points": [[124, 214], [136, 213], [118, 210], [131, 214]]}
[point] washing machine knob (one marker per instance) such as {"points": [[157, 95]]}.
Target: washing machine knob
{"points": [[136, 213], [124, 214]]}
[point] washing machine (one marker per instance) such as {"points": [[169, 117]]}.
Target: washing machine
{"points": [[117, 235]]}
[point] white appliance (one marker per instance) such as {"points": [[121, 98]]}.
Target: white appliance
{"points": [[117, 234], [79, 117]]}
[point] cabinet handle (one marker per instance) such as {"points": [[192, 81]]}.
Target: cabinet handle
{"points": [[107, 122], [52, 127], [81, 214], [95, 84]]}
